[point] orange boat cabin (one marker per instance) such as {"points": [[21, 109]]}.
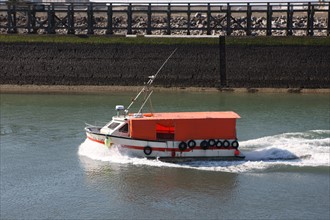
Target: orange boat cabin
{"points": [[182, 126]]}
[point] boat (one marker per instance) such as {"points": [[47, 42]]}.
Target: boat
{"points": [[170, 136]]}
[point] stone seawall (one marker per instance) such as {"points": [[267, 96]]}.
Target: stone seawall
{"points": [[190, 66]]}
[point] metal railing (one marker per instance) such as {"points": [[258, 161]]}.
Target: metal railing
{"points": [[238, 19]]}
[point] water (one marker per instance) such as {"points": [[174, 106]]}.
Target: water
{"points": [[49, 170]]}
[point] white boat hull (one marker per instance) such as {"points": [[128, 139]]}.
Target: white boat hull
{"points": [[165, 150]]}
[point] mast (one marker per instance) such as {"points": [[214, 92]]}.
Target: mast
{"points": [[147, 86]]}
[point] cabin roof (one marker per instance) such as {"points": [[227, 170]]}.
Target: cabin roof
{"points": [[188, 115]]}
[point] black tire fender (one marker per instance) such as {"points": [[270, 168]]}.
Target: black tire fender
{"points": [[191, 144], [212, 142], [226, 143], [147, 150], [219, 144], [235, 144], [204, 145], [182, 146]]}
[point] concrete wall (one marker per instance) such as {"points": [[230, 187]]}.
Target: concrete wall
{"points": [[191, 65]]}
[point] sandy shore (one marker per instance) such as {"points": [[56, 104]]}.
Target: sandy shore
{"points": [[107, 89]]}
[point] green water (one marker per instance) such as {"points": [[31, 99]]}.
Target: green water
{"points": [[48, 170]]}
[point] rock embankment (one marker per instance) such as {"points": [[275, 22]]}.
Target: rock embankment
{"points": [[191, 65]]}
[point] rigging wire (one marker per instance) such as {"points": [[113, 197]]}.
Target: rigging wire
{"points": [[147, 86]]}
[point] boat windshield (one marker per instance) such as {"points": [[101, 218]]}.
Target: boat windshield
{"points": [[113, 125], [124, 128]]}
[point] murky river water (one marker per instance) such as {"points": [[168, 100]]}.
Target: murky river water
{"points": [[49, 170]]}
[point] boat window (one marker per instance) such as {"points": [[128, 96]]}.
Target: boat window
{"points": [[113, 125], [164, 132], [124, 128], [162, 136]]}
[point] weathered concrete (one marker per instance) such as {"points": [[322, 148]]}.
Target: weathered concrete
{"points": [[191, 65]]}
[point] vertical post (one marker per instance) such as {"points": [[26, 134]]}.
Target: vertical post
{"points": [[168, 19], [222, 53], [269, 19], [51, 19], [109, 23], [310, 20], [289, 20], [189, 23], [208, 31], [221, 28], [70, 19], [90, 18], [31, 20], [228, 19], [149, 20], [28, 26], [328, 19], [129, 18], [11, 18], [249, 20], [14, 20]]}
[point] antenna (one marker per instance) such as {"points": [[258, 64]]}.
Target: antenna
{"points": [[147, 85]]}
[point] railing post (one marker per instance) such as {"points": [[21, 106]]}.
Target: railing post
{"points": [[328, 34], [222, 58], [14, 20], [248, 20], [129, 18], [51, 19], [70, 19], [269, 19], [310, 20], [228, 19], [90, 18], [189, 22], [208, 31], [109, 20], [168, 19], [149, 20], [31, 20], [289, 20], [8, 18], [11, 18]]}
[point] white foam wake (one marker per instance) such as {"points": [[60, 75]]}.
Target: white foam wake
{"points": [[311, 148], [300, 149], [100, 152]]}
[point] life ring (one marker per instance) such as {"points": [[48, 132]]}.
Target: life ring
{"points": [[183, 146], [219, 144], [191, 144], [226, 144], [211, 142], [204, 145], [147, 150], [234, 144]]}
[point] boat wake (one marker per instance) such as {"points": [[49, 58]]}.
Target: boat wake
{"points": [[272, 153]]}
